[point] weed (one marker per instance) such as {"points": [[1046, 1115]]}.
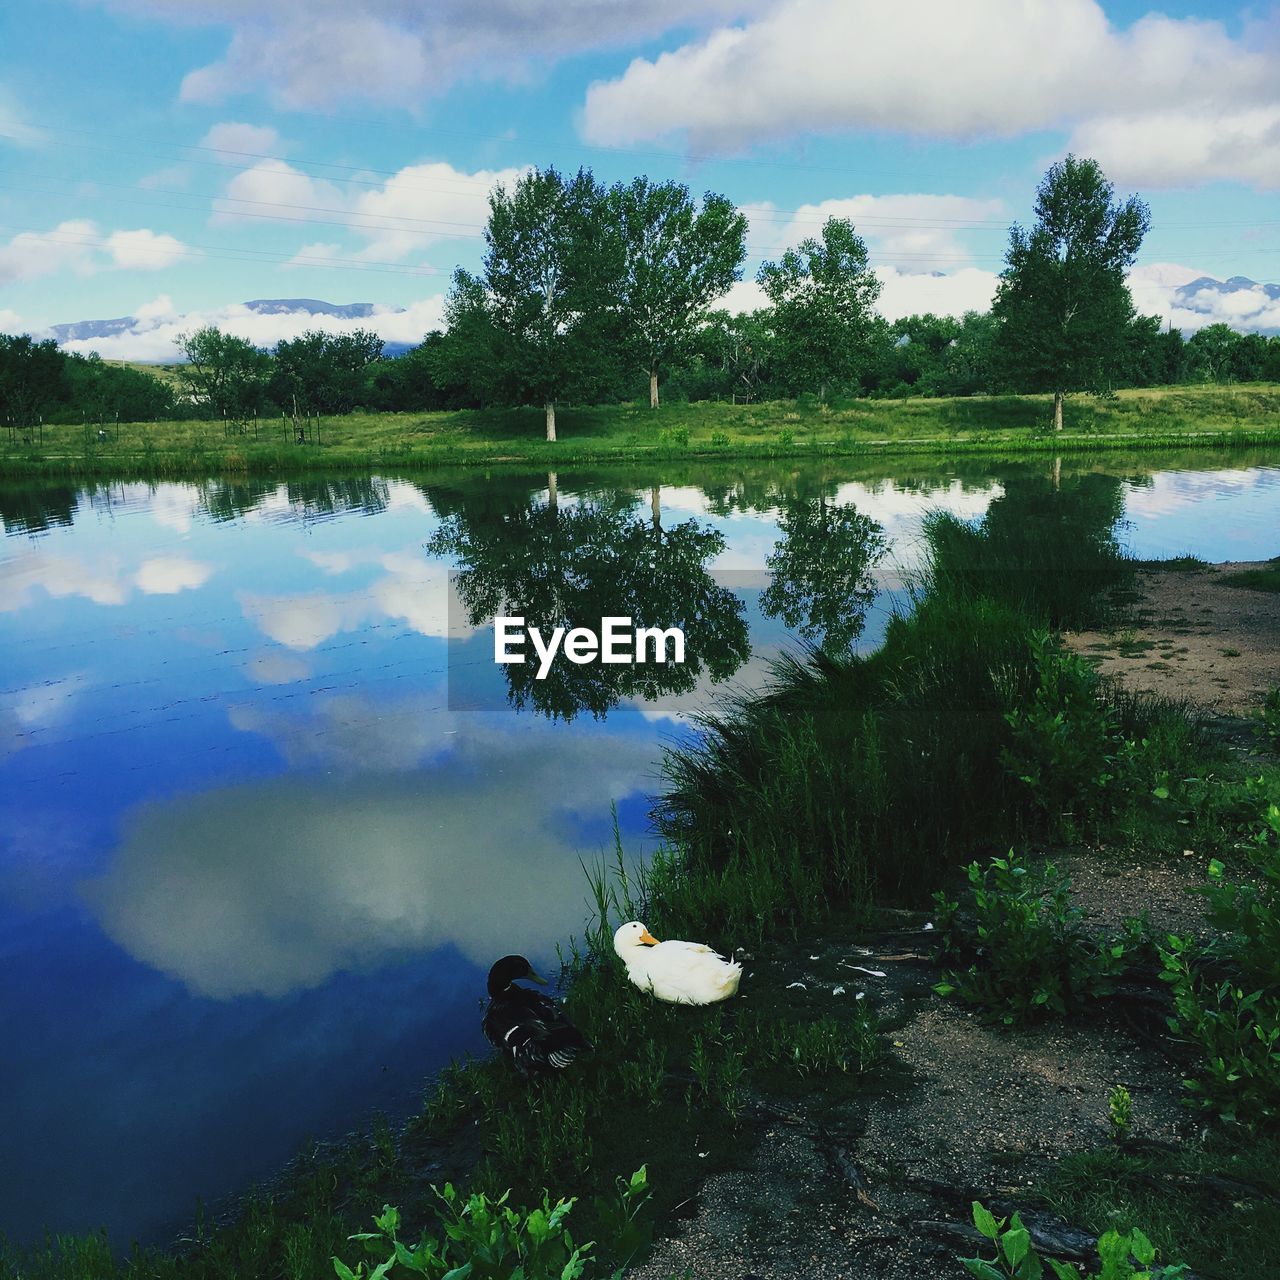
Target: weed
{"points": [[1119, 1111], [1022, 951], [1015, 1259]]}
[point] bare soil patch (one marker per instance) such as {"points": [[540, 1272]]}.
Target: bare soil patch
{"points": [[1190, 635]]}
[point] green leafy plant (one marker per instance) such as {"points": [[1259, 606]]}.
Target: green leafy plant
{"points": [[1119, 1111], [1066, 744], [1020, 950], [1129, 1256], [486, 1239], [1226, 993]]}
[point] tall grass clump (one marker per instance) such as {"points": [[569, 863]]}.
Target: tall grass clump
{"points": [[853, 776]]}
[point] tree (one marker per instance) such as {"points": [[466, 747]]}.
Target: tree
{"points": [[1211, 351], [226, 374], [540, 323], [33, 378], [326, 372], [822, 293], [1062, 306], [677, 261]]}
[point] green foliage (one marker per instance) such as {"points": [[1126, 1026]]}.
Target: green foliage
{"points": [[1226, 993], [226, 375], [324, 372], [1019, 949], [484, 1239], [1119, 1111], [1129, 1256]]}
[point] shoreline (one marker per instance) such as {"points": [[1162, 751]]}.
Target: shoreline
{"points": [[1138, 422]]}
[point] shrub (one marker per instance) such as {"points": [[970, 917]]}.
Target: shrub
{"points": [[1268, 726], [1021, 950]]}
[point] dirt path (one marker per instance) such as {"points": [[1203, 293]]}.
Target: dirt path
{"points": [[1191, 636]]}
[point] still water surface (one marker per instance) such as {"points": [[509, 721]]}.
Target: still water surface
{"points": [[255, 860]]}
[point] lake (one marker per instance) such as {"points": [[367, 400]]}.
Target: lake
{"points": [[270, 810]]}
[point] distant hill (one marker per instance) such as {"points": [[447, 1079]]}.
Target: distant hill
{"points": [[1205, 297]]}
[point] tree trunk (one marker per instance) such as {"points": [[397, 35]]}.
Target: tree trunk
{"points": [[553, 491], [655, 508], [551, 420], [653, 388], [1057, 410], [1057, 473]]}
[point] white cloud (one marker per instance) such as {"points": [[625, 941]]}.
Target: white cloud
{"points": [[177, 175], [30, 254], [277, 183], [904, 227], [987, 68], [950, 293], [315, 53], [242, 139], [10, 322], [425, 203], [78, 245], [1186, 147], [144, 250]]}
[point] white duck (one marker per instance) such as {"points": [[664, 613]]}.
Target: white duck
{"points": [[678, 972]]}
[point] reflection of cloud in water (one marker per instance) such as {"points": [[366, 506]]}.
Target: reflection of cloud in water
{"points": [[274, 667], [413, 591], [352, 733], [28, 710], [274, 886], [167, 575], [104, 581]]}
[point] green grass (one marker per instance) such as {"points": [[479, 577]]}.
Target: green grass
{"points": [[1184, 1198], [1261, 579], [1133, 420]]}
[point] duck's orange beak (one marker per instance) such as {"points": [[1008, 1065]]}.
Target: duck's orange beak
{"points": [[648, 938]]}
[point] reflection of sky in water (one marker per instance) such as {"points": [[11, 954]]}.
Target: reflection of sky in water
{"points": [[252, 866]]}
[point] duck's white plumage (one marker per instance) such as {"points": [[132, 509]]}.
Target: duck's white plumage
{"points": [[678, 972]]}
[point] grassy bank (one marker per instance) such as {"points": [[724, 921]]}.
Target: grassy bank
{"points": [[1133, 420], [855, 785]]}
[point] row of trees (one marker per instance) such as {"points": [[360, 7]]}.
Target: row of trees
{"points": [[587, 292]]}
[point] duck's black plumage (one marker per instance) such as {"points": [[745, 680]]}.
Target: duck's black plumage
{"points": [[529, 1028]]}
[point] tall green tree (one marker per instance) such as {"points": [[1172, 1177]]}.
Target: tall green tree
{"points": [[678, 259], [225, 374], [540, 323], [823, 292], [1062, 306]]}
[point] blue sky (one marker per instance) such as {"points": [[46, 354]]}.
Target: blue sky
{"points": [[172, 158]]}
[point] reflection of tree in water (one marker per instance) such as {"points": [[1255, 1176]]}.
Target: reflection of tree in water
{"points": [[311, 498], [821, 584], [1049, 542], [559, 566], [37, 508]]}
